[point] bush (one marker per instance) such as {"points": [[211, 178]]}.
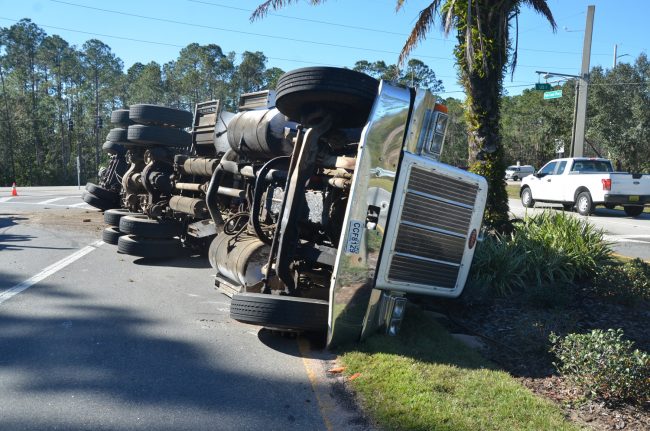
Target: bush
{"points": [[604, 365], [628, 283], [543, 255]]}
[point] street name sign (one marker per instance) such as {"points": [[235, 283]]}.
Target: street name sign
{"points": [[542, 86], [552, 94]]}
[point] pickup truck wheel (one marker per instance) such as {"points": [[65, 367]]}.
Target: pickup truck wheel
{"points": [[527, 198], [277, 311], [584, 205], [154, 135], [149, 248], [160, 116], [143, 226], [111, 235], [346, 94], [633, 210]]}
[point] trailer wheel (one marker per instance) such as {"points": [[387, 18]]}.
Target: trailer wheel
{"points": [[120, 117], [148, 247], [160, 116], [633, 210], [113, 148], [527, 198], [584, 205], [111, 234], [346, 94], [277, 311], [96, 202], [143, 226], [113, 217], [154, 135], [117, 134], [102, 193]]}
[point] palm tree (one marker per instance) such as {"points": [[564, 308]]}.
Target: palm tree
{"points": [[483, 52]]}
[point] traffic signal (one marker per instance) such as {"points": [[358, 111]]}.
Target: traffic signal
{"points": [[70, 125]]}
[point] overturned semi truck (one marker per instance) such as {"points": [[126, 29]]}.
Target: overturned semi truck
{"points": [[321, 204], [354, 214]]}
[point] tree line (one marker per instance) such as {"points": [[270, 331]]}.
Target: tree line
{"points": [[56, 98], [534, 129]]}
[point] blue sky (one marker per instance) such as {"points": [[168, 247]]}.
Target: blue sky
{"points": [[337, 33]]}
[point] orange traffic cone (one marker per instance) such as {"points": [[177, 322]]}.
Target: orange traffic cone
{"points": [[13, 190]]}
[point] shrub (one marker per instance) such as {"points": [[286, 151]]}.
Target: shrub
{"points": [[543, 255], [628, 283], [604, 365]]}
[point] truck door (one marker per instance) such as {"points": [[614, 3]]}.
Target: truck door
{"points": [[545, 185]]}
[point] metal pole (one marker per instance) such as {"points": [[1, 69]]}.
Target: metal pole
{"points": [[575, 115], [614, 62], [581, 114]]}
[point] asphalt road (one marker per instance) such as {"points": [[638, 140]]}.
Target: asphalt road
{"points": [[94, 340]]}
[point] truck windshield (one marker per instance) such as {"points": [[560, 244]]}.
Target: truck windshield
{"points": [[591, 166]]}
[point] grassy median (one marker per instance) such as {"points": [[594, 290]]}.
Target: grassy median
{"points": [[426, 380]]}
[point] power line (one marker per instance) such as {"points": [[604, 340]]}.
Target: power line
{"points": [[305, 19], [195, 25]]}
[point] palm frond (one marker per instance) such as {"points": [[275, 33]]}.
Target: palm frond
{"points": [[541, 7], [263, 9], [449, 20], [420, 29]]}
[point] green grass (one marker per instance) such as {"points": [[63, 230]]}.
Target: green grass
{"points": [[426, 380]]}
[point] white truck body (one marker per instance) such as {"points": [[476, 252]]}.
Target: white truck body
{"points": [[583, 183]]}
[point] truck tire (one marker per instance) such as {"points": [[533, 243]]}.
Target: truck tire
{"points": [[113, 148], [155, 115], [633, 210], [96, 202], [111, 234], [277, 311], [148, 247], [102, 193], [527, 198], [584, 205], [154, 135], [346, 94], [120, 118], [113, 217], [117, 134], [143, 226]]}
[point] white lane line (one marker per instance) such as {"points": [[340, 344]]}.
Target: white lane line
{"points": [[15, 290], [5, 199], [49, 201], [79, 205], [627, 238]]}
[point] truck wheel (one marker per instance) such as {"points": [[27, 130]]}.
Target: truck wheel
{"points": [[154, 135], [113, 148], [633, 210], [584, 204], [117, 134], [102, 193], [96, 202], [113, 217], [277, 311], [143, 226], [148, 247], [120, 118], [527, 198], [160, 116], [111, 234], [346, 94]]}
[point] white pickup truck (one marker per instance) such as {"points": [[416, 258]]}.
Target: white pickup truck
{"points": [[582, 183]]}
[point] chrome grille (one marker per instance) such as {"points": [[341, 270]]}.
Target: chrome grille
{"points": [[432, 231]]}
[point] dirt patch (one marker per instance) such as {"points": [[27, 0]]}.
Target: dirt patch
{"points": [[66, 219]]}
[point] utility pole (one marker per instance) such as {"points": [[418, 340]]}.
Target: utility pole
{"points": [[616, 56], [581, 110]]}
